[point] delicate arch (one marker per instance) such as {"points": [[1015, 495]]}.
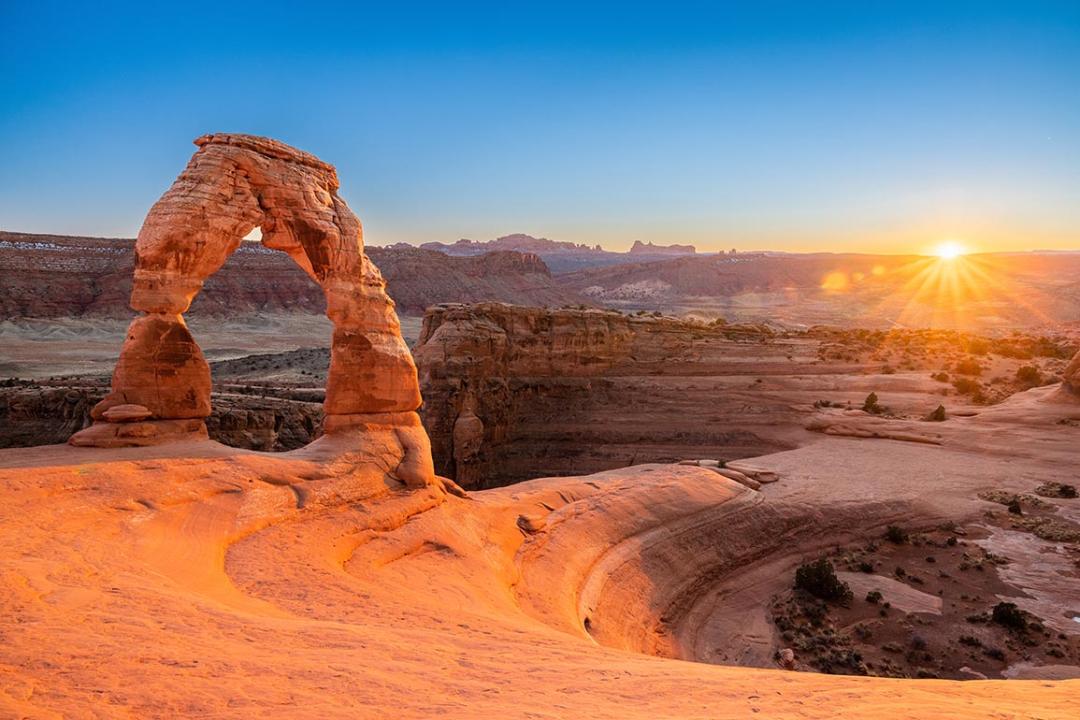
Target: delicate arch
{"points": [[234, 183]]}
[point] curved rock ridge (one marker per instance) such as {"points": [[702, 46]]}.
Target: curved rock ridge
{"points": [[233, 184], [238, 584]]}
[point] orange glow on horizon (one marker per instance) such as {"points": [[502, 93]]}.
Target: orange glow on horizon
{"points": [[949, 289], [950, 250]]}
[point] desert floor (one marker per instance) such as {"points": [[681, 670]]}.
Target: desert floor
{"points": [[203, 581]]}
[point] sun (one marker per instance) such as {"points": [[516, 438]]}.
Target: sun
{"points": [[949, 250]]}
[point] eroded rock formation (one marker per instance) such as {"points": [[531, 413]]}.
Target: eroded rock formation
{"points": [[512, 392], [233, 184], [58, 276]]}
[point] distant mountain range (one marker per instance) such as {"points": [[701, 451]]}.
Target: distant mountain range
{"points": [[560, 256], [50, 276]]}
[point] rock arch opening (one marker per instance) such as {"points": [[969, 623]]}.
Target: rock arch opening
{"points": [[261, 324], [232, 185]]}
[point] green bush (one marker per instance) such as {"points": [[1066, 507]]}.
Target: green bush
{"points": [[1008, 615], [819, 579], [871, 404], [896, 534]]}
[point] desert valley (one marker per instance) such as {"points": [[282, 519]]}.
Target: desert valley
{"points": [[780, 503], [691, 360]]}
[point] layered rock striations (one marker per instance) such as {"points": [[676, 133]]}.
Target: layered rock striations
{"points": [[418, 278], [511, 392], [53, 276], [233, 184]]}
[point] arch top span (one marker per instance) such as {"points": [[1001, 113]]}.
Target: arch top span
{"points": [[232, 184]]}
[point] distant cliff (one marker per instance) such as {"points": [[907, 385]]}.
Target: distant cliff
{"points": [[52, 276], [561, 256], [641, 248], [516, 392], [517, 241]]}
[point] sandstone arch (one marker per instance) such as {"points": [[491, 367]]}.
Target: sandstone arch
{"points": [[232, 184]]}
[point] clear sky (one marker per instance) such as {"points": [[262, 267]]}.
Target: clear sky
{"points": [[862, 126]]}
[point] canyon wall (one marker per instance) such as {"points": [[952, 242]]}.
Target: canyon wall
{"points": [[41, 415], [58, 276], [517, 392]]}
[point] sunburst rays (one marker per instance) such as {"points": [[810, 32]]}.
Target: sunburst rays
{"points": [[947, 290]]}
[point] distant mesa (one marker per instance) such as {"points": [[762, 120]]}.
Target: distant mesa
{"points": [[561, 256], [517, 241], [527, 243], [648, 248]]}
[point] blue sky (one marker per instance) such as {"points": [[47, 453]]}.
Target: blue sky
{"points": [[799, 126]]}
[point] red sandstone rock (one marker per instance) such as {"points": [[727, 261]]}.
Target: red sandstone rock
{"points": [[131, 434], [161, 368], [233, 184], [127, 413], [503, 383]]}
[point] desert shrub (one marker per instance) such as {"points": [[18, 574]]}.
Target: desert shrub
{"points": [[1028, 375], [1056, 490], [940, 377], [938, 415], [896, 534], [1008, 615], [871, 404], [968, 367], [819, 579], [1014, 507], [966, 386], [874, 596], [970, 641]]}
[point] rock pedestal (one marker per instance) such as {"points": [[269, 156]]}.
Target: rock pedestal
{"points": [[233, 184]]}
